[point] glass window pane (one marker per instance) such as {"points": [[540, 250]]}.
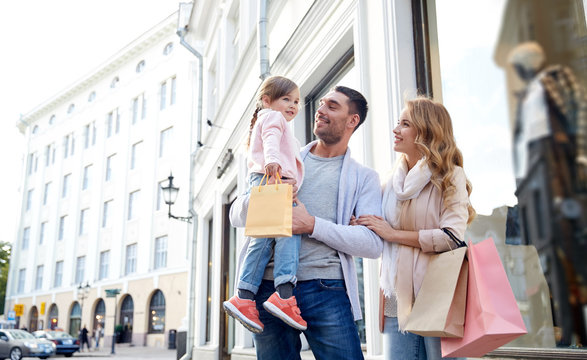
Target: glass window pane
{"points": [[514, 86]]}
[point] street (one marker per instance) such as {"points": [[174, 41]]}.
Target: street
{"points": [[125, 352]]}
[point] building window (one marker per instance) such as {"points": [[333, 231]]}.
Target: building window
{"points": [[21, 280], [165, 141], [39, 277], [83, 219], [157, 313], [46, 192], [104, 262], [106, 213], [139, 104], [160, 252], [114, 82], [109, 165], [68, 145], [112, 123], [133, 204], [71, 108], [134, 153], [163, 96], [29, 199], [92, 96], [93, 133], [35, 129], [52, 120], [87, 132], [30, 163], [131, 259], [62, 227], [58, 274], [173, 91], [47, 155], [65, 187], [26, 235], [42, 231], [140, 66], [87, 177], [80, 268], [168, 49]]}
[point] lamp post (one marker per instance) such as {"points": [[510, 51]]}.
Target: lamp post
{"points": [[170, 195], [82, 294], [113, 293]]}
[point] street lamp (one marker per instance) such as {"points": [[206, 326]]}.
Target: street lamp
{"points": [[170, 195], [82, 294]]}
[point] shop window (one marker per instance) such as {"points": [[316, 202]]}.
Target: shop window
{"points": [[157, 313], [514, 84]]}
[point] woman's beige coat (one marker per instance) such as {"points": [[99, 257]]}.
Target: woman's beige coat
{"points": [[427, 214]]}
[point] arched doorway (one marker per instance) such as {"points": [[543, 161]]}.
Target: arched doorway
{"points": [[75, 319], [33, 319], [99, 316], [156, 314], [126, 319], [53, 317]]}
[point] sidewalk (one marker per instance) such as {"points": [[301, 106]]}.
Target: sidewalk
{"points": [[129, 352]]}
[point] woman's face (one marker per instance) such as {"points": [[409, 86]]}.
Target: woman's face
{"points": [[405, 137]]}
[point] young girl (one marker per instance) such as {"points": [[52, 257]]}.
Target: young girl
{"points": [[273, 150]]}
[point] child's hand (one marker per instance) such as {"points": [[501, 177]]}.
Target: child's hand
{"points": [[272, 169]]}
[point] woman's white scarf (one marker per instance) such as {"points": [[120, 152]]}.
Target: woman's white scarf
{"points": [[403, 185]]}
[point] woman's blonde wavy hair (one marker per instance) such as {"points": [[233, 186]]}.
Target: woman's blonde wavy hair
{"points": [[435, 140]]}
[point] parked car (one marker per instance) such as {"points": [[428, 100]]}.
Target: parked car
{"points": [[65, 343], [16, 344]]}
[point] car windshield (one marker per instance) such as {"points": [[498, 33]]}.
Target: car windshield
{"points": [[20, 334], [58, 334]]}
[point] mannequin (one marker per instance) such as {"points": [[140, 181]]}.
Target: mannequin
{"points": [[550, 165]]}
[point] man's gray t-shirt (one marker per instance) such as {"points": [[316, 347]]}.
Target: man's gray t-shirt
{"points": [[319, 193]]}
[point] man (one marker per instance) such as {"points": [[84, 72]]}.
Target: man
{"points": [[335, 188]]}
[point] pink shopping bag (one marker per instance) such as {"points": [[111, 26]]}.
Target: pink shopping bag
{"points": [[492, 317]]}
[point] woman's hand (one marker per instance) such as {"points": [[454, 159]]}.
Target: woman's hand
{"points": [[377, 224]]}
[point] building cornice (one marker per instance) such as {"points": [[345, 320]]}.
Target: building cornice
{"points": [[157, 33]]}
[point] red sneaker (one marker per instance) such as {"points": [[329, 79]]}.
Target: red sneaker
{"points": [[287, 310], [244, 311]]}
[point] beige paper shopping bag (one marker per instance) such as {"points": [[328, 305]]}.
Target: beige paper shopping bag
{"points": [[439, 308], [270, 211]]}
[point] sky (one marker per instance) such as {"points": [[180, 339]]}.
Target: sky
{"points": [[47, 46]]}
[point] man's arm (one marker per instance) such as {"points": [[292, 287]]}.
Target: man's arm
{"points": [[238, 211], [352, 240]]}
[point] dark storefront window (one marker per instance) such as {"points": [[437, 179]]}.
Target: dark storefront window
{"points": [[513, 74], [157, 313]]}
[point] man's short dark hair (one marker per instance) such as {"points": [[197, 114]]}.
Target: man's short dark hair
{"points": [[357, 102]]}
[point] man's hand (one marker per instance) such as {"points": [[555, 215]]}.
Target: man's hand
{"points": [[302, 221], [292, 182]]}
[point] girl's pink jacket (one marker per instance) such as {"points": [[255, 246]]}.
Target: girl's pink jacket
{"points": [[273, 141]]}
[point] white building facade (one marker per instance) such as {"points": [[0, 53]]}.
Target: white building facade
{"points": [[388, 50], [93, 217]]}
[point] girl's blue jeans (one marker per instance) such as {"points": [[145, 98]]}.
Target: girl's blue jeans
{"points": [[285, 252]]}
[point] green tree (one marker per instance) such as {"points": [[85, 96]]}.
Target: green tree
{"points": [[5, 249]]}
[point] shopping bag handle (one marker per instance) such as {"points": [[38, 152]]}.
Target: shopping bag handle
{"points": [[459, 243], [266, 178]]}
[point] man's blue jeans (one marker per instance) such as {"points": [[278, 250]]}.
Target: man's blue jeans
{"points": [[331, 333], [285, 257], [408, 346]]}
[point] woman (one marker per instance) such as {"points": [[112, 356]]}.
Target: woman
{"points": [[428, 191]]}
